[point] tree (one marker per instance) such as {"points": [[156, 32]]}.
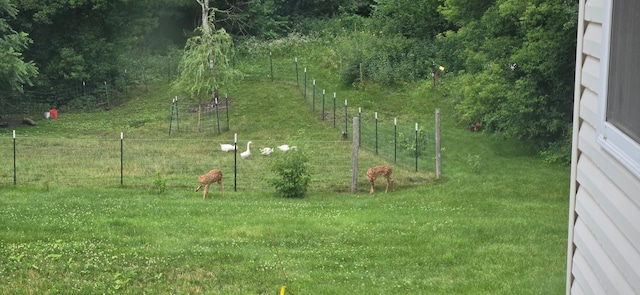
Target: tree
{"points": [[412, 19], [206, 65], [516, 65], [14, 71]]}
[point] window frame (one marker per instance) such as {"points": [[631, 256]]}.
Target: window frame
{"points": [[613, 140]]}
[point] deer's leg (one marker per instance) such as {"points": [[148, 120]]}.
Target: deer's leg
{"points": [[371, 186], [198, 188], [387, 189], [221, 187], [206, 190]]}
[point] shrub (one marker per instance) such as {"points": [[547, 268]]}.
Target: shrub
{"points": [[293, 175], [159, 184]]}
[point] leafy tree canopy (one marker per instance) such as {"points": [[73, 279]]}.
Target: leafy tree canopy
{"points": [[14, 71]]}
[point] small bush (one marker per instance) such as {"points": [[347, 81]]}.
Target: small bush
{"points": [[159, 184], [293, 175]]}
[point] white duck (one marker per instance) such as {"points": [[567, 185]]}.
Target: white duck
{"points": [[227, 147], [246, 153], [285, 147], [266, 151]]}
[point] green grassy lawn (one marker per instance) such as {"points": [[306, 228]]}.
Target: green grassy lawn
{"points": [[495, 223]]}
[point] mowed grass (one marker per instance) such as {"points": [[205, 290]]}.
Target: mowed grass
{"points": [[437, 239], [495, 224]]}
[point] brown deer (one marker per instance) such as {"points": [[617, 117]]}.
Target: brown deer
{"points": [[212, 176], [475, 127], [377, 171]]}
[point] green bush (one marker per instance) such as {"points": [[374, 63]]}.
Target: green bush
{"points": [[292, 170], [159, 184]]}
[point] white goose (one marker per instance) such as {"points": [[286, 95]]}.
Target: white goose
{"points": [[246, 153], [285, 147], [266, 151], [227, 147]]}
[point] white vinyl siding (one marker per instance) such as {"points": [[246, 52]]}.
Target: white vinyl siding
{"points": [[604, 229]]}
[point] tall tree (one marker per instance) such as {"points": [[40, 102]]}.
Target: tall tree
{"points": [[206, 65], [14, 70]]}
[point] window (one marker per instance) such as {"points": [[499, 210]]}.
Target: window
{"points": [[619, 130]]}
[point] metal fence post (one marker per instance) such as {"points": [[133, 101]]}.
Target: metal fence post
{"points": [[376, 115], [354, 157], [235, 162], [14, 158], [121, 159], [438, 147]]}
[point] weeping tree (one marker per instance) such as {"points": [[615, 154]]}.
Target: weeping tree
{"points": [[206, 66]]}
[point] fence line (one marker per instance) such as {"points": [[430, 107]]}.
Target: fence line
{"points": [[409, 145], [397, 143], [50, 162]]}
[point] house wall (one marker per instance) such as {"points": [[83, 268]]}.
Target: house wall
{"points": [[604, 218]]}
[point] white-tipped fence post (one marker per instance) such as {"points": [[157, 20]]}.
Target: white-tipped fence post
{"points": [[235, 160], [346, 117], [271, 65], [323, 96], [14, 158], [395, 140], [359, 120], [438, 147], [296, 62], [376, 116], [334, 110], [417, 154], [121, 159], [354, 157]]}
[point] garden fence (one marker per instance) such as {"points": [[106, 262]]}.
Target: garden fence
{"points": [[409, 145], [116, 162]]}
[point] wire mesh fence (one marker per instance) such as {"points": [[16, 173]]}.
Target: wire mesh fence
{"points": [[211, 118], [178, 162], [402, 143], [61, 162], [410, 145]]}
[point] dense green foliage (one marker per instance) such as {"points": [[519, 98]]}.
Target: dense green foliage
{"points": [[517, 78], [292, 173], [14, 70]]}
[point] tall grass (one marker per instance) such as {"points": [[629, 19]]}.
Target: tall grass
{"points": [[495, 223]]}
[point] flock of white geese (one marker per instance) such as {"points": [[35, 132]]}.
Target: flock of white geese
{"points": [[263, 151]]}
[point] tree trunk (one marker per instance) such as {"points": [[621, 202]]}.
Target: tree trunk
{"points": [[205, 14]]}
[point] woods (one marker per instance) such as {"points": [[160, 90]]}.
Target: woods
{"points": [[508, 63]]}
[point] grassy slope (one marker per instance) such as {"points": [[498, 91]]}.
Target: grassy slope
{"points": [[496, 224]]}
